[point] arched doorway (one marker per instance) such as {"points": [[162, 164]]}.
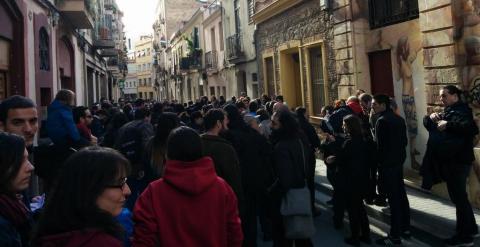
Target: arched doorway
{"points": [[66, 69], [12, 68]]}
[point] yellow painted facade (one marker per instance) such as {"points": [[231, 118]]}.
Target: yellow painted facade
{"points": [[144, 62]]}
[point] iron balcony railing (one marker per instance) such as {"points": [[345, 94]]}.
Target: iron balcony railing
{"points": [[211, 60], [190, 62], [388, 12], [234, 47]]}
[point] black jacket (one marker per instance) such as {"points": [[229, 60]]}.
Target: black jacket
{"points": [[291, 160], [253, 151], [336, 119], [225, 160], [310, 132], [457, 138], [352, 161], [391, 139]]}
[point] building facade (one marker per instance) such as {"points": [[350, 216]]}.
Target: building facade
{"points": [[170, 16], [48, 45], [143, 60], [215, 82], [130, 91], [314, 52], [240, 55], [294, 45]]}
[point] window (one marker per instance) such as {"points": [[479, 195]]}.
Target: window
{"points": [[43, 50], [212, 91], [220, 33], [212, 39], [236, 4], [388, 12], [317, 80], [150, 81]]}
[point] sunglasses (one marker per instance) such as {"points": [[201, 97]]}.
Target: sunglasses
{"points": [[120, 185]]}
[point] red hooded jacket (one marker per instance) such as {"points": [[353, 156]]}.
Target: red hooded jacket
{"points": [[189, 206], [81, 238]]}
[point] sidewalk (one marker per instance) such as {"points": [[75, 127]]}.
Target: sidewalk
{"points": [[432, 217]]}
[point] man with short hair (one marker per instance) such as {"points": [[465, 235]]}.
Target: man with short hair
{"points": [[221, 151], [83, 118], [131, 141], [391, 142], [457, 126], [18, 115]]}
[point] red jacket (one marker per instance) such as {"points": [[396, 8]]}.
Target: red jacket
{"points": [[85, 238], [190, 206]]}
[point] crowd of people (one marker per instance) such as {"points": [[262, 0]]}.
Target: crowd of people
{"points": [[146, 173]]}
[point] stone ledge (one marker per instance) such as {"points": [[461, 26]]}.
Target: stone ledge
{"points": [[439, 56], [431, 4], [443, 76], [438, 38], [436, 19]]}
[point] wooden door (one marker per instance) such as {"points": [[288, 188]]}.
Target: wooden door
{"points": [[381, 72]]}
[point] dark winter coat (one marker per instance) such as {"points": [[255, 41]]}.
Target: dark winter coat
{"points": [[391, 139], [225, 160], [336, 119], [352, 162], [80, 238], [455, 144], [253, 151], [290, 160], [60, 125], [9, 235]]}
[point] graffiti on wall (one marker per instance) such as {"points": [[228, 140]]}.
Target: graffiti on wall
{"points": [[404, 41], [468, 40]]}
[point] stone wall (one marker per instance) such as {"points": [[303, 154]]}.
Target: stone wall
{"points": [[307, 23]]}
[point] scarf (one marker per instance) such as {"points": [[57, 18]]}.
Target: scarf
{"points": [[13, 210]]}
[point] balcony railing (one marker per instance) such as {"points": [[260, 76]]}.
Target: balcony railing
{"points": [[78, 12], [384, 13], [235, 48], [191, 62], [211, 60], [103, 38]]}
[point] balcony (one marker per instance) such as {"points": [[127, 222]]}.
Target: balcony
{"points": [[235, 53], [109, 53], [103, 39], [211, 60], [190, 62], [77, 12], [261, 11]]}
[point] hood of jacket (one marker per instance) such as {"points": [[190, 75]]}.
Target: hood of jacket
{"points": [[71, 239], [191, 178], [355, 107]]}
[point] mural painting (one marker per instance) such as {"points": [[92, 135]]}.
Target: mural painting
{"points": [[468, 40], [405, 42]]}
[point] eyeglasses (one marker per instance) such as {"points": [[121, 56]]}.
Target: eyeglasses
{"points": [[120, 185]]}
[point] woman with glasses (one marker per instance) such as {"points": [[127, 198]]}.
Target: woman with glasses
{"points": [[15, 173], [90, 193]]}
